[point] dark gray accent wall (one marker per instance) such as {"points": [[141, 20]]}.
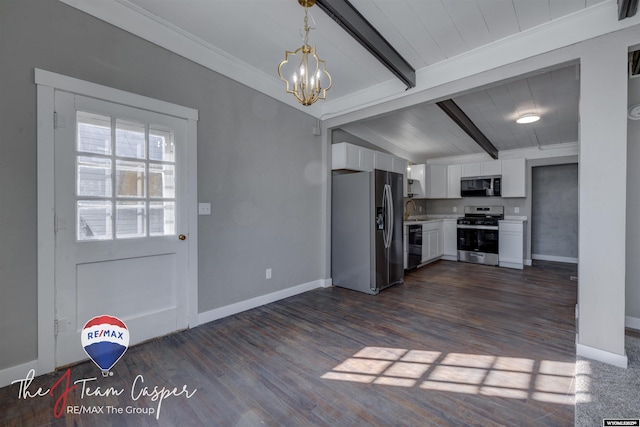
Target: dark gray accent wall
{"points": [[554, 210], [259, 163]]}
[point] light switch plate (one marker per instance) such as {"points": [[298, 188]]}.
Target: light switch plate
{"points": [[204, 208], [516, 210]]}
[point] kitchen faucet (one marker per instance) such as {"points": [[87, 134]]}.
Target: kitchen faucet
{"points": [[406, 209]]}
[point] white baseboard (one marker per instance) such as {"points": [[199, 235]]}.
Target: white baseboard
{"points": [[602, 355], [517, 266], [528, 262], [554, 258], [228, 310], [632, 322], [17, 372]]}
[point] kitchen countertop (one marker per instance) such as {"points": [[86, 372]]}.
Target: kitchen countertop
{"points": [[422, 219], [514, 218]]}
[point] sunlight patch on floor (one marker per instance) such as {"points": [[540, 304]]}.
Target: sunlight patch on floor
{"points": [[487, 375]]}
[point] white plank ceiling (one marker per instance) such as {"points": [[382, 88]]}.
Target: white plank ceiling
{"points": [[427, 132], [252, 35]]}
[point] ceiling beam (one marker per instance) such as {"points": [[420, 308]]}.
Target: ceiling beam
{"points": [[360, 29], [465, 123], [627, 8]]}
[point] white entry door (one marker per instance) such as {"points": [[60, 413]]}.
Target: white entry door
{"points": [[121, 220]]}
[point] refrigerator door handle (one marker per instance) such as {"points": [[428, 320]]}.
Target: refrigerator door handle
{"points": [[392, 214], [385, 210], [389, 222]]}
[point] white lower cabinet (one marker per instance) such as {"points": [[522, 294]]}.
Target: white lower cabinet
{"points": [[450, 239], [511, 244], [432, 246]]}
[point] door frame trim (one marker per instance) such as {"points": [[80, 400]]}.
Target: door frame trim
{"points": [[47, 83]]}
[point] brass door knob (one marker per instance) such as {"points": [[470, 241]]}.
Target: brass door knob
{"points": [[182, 237]]}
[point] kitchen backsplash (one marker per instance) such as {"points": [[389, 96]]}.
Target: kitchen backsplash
{"points": [[446, 206]]}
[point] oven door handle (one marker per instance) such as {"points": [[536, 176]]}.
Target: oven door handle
{"points": [[478, 227]]}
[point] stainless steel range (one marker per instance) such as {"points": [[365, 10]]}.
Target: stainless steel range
{"points": [[478, 234]]}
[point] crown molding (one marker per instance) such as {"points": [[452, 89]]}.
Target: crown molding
{"points": [[139, 22]]}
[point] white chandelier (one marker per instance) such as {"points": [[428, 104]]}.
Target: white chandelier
{"points": [[310, 79]]}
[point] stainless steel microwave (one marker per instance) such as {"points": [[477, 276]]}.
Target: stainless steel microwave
{"points": [[481, 186]]}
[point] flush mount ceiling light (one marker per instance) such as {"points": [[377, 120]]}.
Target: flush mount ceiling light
{"points": [[528, 118], [309, 79]]}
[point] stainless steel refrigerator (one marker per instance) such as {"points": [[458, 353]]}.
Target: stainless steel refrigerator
{"points": [[366, 230]]}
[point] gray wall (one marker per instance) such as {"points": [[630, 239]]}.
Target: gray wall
{"points": [[632, 284], [554, 211], [258, 162]]}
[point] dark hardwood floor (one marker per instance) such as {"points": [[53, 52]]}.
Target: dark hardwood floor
{"points": [[455, 345]]}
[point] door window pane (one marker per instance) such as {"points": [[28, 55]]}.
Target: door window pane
{"points": [[94, 219], [130, 179], [94, 176], [161, 145], [94, 133], [130, 139], [162, 181], [162, 218], [130, 219], [125, 179]]}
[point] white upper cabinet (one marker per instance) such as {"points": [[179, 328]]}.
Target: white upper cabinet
{"points": [[493, 167], [399, 165], [366, 159], [470, 169], [437, 181], [454, 173], [349, 156], [345, 156], [352, 157], [383, 161], [418, 181], [443, 181], [513, 178]]}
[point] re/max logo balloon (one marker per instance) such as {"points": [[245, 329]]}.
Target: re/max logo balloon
{"points": [[105, 339]]}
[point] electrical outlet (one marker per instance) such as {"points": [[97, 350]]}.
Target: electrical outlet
{"points": [[268, 273], [455, 209], [517, 210], [204, 208]]}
